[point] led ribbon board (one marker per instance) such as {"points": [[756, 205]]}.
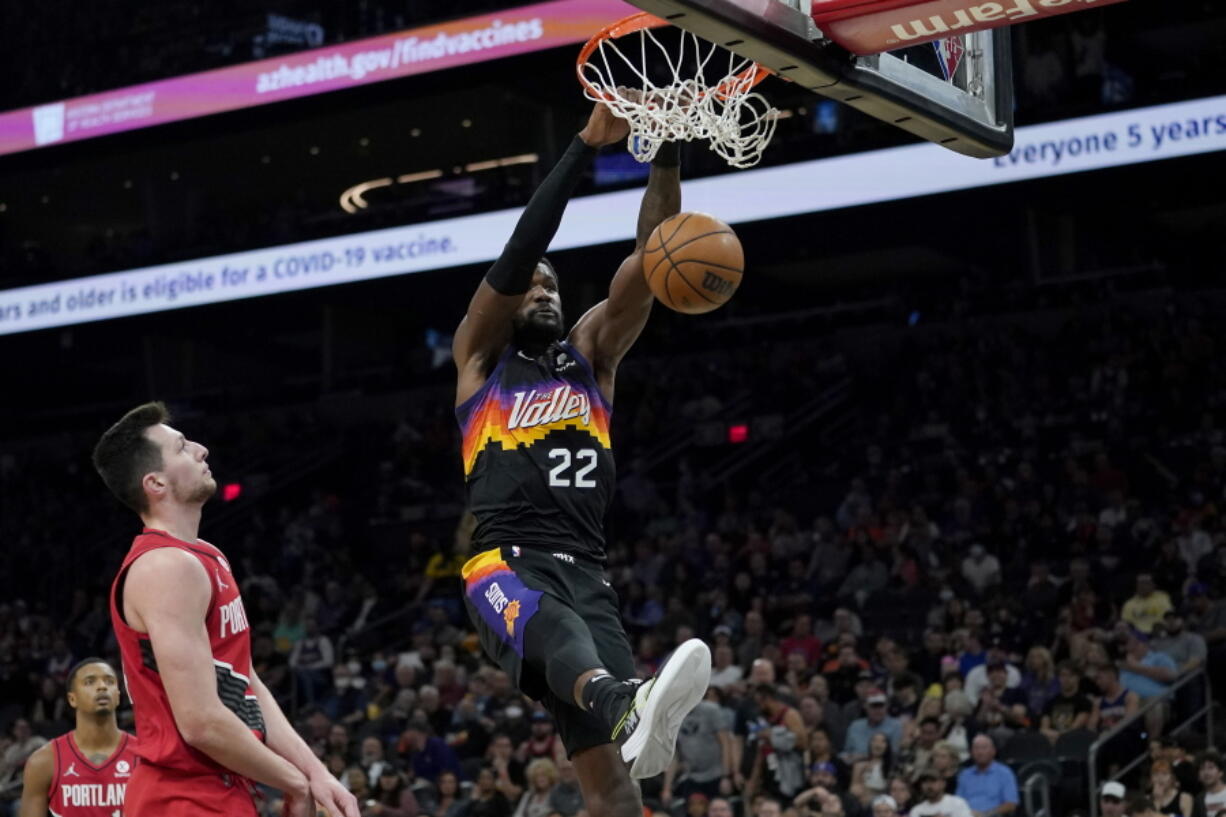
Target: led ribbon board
{"points": [[414, 51], [1052, 149]]}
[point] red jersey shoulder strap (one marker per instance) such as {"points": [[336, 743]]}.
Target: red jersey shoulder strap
{"points": [[56, 747], [152, 539]]}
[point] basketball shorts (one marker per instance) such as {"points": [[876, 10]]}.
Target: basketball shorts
{"points": [[155, 791], [518, 593]]}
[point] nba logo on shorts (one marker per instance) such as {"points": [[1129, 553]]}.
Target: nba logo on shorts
{"points": [[949, 53], [515, 550]]}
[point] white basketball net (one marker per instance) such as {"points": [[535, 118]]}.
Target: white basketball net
{"points": [[714, 99]]}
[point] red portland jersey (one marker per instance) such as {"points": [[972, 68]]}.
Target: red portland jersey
{"points": [[79, 789], [229, 638]]}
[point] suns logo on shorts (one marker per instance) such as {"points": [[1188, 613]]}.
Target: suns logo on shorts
{"points": [[509, 615]]}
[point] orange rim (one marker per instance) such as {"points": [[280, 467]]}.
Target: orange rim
{"points": [[642, 21]]}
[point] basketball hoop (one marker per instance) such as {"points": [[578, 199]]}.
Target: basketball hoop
{"points": [[677, 95]]}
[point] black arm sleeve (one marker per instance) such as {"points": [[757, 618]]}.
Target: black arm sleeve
{"points": [[511, 274], [669, 155]]}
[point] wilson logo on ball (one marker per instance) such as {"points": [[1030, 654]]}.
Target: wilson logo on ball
{"points": [[717, 285]]}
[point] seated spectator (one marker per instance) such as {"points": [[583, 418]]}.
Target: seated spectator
{"points": [[372, 760], [928, 661], [977, 677], [1187, 649], [566, 798], [946, 764], [427, 755], [356, 781], [960, 725], [1039, 682], [1111, 799], [1147, 606], [988, 786], [447, 799], [1142, 805], [1183, 765], [765, 806], [311, 660], [981, 569], [904, 695], [1115, 703], [544, 741], [1069, 709], [724, 671], [1164, 790], [844, 672], [820, 801], [845, 621], [1211, 802], [900, 790], [487, 801], [821, 751], [24, 743], [703, 757], [972, 654], [1002, 711], [803, 641], [916, 755], [877, 721], [779, 763], [1148, 673], [1042, 594], [871, 775], [392, 795], [719, 807], [500, 756], [936, 802], [883, 805], [542, 776], [812, 713]]}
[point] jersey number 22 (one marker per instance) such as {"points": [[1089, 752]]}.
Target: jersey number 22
{"points": [[585, 461]]}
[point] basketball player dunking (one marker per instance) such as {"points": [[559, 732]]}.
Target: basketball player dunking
{"points": [[533, 404], [208, 727], [85, 772]]}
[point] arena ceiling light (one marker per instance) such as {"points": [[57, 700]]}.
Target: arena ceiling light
{"points": [[353, 199]]}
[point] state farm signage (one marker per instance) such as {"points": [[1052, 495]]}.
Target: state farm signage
{"points": [[885, 26]]}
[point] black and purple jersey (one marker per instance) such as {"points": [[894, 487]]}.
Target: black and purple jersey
{"points": [[537, 456]]}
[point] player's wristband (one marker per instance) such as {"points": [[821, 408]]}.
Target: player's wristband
{"points": [[669, 155]]}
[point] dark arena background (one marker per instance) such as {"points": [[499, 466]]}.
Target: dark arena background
{"points": [[960, 413]]}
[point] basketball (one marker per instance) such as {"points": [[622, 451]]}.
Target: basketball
{"points": [[693, 263]]}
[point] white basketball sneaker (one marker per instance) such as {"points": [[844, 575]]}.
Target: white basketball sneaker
{"points": [[649, 727]]}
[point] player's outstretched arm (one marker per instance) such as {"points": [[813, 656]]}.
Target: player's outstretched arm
{"points": [[168, 592], [610, 328], [36, 782], [486, 326], [285, 741]]}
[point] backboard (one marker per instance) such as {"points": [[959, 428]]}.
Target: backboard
{"points": [[956, 92]]}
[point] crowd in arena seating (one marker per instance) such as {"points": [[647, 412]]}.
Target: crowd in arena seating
{"points": [[1015, 549]]}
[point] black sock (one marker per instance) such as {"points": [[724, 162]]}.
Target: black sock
{"points": [[607, 698]]}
